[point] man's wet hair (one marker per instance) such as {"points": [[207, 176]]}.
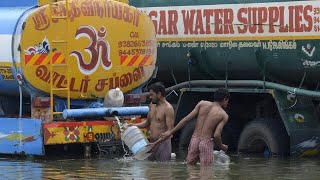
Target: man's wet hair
{"points": [[158, 87], [221, 94]]}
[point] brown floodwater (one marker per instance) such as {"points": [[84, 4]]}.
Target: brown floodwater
{"points": [[241, 167]]}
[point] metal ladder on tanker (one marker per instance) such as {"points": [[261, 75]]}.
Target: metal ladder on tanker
{"points": [[65, 65]]}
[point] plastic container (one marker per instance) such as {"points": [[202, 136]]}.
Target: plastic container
{"points": [[139, 145], [114, 98], [221, 158], [173, 156]]}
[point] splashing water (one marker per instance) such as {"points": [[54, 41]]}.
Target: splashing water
{"points": [[121, 131]]}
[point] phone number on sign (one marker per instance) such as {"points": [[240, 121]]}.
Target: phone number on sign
{"points": [[142, 43], [136, 52]]}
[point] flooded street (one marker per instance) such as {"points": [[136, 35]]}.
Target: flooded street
{"points": [[127, 168]]}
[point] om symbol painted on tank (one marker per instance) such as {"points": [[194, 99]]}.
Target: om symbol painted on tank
{"points": [[98, 49]]}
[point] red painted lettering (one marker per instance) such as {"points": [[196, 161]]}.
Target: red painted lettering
{"points": [[218, 21], [262, 18], [127, 16], [308, 18], [252, 20], [84, 84], [291, 18], [188, 19], [163, 23], [99, 9], [283, 27], [40, 20], [120, 81], [72, 85], [244, 21], [273, 18], [153, 15], [61, 81], [116, 11], [228, 21], [298, 18], [96, 8], [207, 13], [172, 22], [199, 23], [107, 9], [74, 11]]}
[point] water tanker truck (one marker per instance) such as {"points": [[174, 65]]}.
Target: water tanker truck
{"points": [[67, 55], [265, 52], [63, 55]]}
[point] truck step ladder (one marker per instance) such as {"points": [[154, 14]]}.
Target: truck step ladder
{"points": [[62, 41]]}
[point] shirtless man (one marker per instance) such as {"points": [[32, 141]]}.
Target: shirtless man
{"points": [[160, 120], [211, 119]]}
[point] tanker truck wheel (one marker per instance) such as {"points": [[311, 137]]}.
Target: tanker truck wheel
{"points": [[267, 137]]}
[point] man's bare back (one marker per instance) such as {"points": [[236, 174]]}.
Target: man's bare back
{"points": [[159, 114], [211, 119], [209, 116]]}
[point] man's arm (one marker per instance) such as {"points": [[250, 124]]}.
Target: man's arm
{"points": [[183, 122], [218, 131], [145, 123], [170, 118]]}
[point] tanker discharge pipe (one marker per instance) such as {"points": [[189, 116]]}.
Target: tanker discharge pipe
{"points": [[243, 83]]}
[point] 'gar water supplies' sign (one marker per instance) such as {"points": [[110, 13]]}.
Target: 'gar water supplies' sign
{"points": [[237, 20]]}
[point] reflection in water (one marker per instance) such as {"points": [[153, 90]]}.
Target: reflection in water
{"points": [[128, 168], [199, 172], [20, 169]]}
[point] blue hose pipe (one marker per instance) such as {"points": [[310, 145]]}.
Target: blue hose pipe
{"points": [[96, 112]]}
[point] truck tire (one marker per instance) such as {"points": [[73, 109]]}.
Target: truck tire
{"points": [[265, 136]]}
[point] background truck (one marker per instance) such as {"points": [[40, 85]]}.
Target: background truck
{"points": [[58, 55], [265, 52]]}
